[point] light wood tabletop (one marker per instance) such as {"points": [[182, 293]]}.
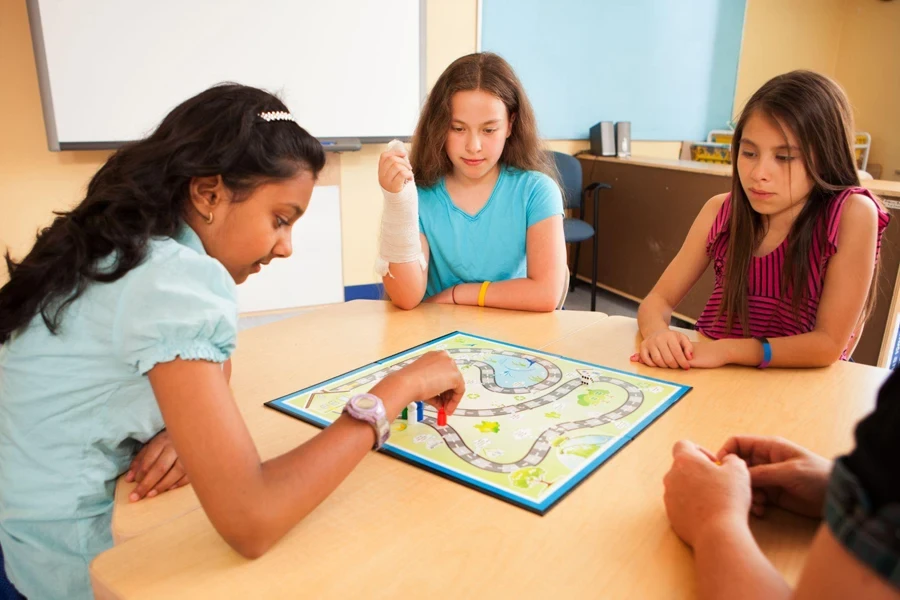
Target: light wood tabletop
{"points": [[285, 356], [392, 529], [883, 187], [692, 166]]}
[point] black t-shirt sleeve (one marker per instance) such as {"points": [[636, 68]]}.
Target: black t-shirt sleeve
{"points": [[876, 459]]}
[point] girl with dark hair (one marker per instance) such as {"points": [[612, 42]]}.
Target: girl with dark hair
{"points": [[120, 322], [794, 244], [482, 222]]}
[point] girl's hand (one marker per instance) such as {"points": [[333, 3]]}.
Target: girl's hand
{"points": [[666, 349], [782, 474], [394, 169], [156, 468], [701, 493], [433, 378]]}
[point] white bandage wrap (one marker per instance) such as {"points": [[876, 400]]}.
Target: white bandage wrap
{"points": [[399, 240]]}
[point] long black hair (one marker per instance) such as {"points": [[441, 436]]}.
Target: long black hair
{"points": [[142, 190]]}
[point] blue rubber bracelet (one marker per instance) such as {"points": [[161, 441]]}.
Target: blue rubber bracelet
{"points": [[767, 352]]}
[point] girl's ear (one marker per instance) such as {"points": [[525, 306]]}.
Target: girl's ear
{"points": [[512, 119], [208, 193]]}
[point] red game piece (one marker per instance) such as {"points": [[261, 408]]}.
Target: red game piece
{"points": [[442, 417]]}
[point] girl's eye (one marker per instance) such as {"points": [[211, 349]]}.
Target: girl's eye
{"points": [[785, 158], [747, 153], [457, 129], [489, 131], [280, 222]]}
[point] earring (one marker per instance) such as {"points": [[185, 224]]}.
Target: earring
{"points": [[209, 219]]}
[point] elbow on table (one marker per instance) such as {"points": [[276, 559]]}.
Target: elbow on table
{"points": [[828, 353], [251, 537], [551, 297], [547, 304], [408, 303], [829, 357], [249, 548]]}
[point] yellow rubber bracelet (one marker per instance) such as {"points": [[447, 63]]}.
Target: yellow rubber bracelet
{"points": [[481, 294]]}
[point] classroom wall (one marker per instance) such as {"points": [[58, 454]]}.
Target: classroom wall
{"points": [[868, 66], [450, 31], [856, 42], [783, 35], [34, 181]]}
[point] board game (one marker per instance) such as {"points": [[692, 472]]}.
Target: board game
{"points": [[530, 427]]}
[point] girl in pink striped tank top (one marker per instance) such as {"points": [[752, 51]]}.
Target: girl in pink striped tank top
{"points": [[794, 245]]}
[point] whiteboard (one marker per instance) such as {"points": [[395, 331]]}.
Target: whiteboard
{"points": [[312, 275], [110, 70]]}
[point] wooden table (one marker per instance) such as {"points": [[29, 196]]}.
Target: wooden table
{"points": [[392, 529], [883, 188], [283, 357]]}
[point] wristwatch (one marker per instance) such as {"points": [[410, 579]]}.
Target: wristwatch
{"points": [[370, 409]]}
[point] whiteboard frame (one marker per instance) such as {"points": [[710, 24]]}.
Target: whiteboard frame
{"points": [[54, 145]]}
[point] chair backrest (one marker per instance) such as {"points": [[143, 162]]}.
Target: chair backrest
{"points": [[570, 178]]}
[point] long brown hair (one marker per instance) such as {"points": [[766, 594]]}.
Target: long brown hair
{"points": [[480, 71], [816, 110], [141, 191]]}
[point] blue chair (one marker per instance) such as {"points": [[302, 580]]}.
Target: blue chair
{"points": [[575, 229]]}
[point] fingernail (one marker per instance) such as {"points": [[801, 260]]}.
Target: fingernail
{"points": [[134, 497], [634, 357], [151, 493], [129, 475]]}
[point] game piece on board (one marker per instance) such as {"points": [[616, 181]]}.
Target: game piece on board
{"points": [[420, 411], [442, 417]]}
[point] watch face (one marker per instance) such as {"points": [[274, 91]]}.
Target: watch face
{"points": [[365, 403]]}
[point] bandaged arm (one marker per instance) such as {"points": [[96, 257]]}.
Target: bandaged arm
{"points": [[401, 262]]}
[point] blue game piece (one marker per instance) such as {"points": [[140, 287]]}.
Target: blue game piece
{"points": [[420, 411]]}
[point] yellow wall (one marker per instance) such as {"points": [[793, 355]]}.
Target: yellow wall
{"points": [[33, 181], [783, 35], [868, 66], [856, 42]]}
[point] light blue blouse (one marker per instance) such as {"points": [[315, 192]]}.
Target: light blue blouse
{"points": [[75, 407]]}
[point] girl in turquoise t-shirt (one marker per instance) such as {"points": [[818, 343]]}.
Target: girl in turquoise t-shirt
{"points": [[118, 323], [482, 224]]}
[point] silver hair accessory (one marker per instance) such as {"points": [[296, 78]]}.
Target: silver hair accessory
{"points": [[277, 115]]}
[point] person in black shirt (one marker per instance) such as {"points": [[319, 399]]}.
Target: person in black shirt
{"points": [[856, 552]]}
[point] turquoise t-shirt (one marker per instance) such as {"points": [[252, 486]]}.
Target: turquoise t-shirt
{"points": [[488, 246], [76, 407]]}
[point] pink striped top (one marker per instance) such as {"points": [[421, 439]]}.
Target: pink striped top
{"points": [[771, 314]]}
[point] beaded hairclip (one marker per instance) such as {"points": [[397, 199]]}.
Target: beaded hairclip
{"points": [[277, 115]]}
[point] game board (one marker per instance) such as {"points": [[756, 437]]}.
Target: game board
{"points": [[528, 429]]}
